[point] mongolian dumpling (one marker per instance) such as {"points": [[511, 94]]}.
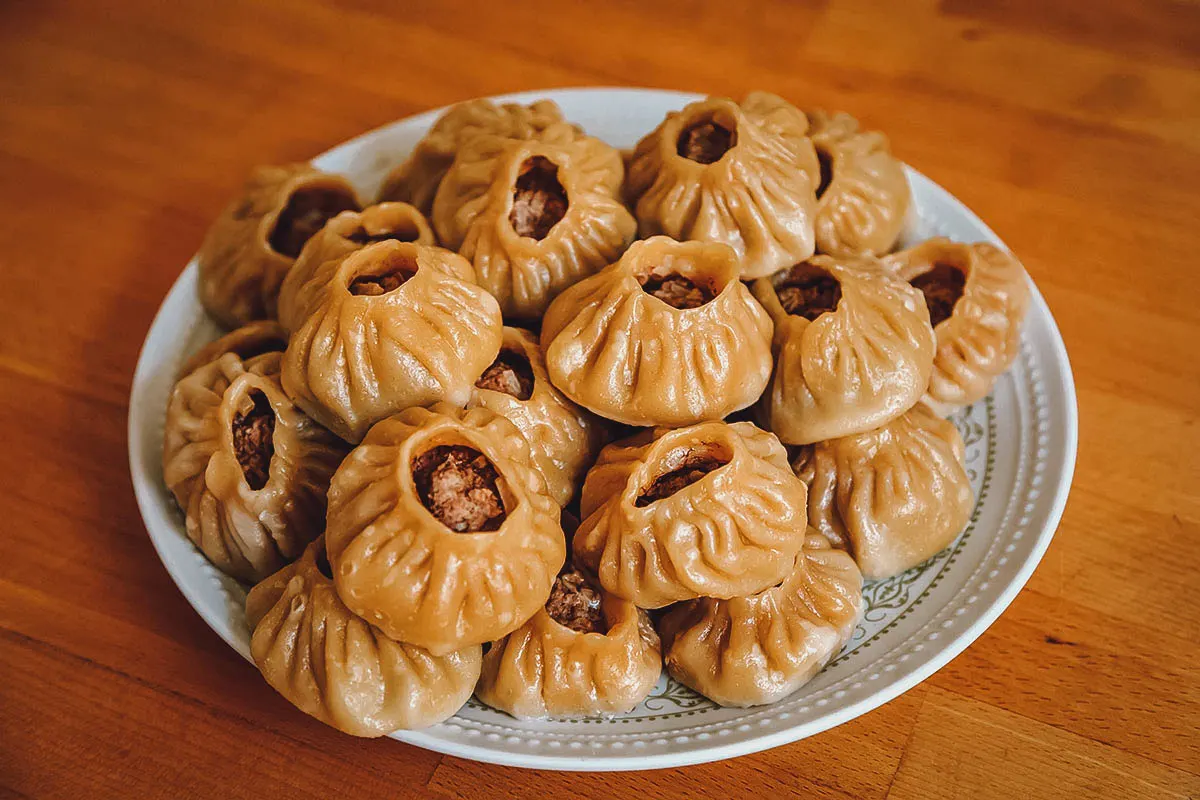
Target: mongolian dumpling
{"points": [[744, 175], [253, 243], [396, 325], [565, 439], [977, 296], [584, 653], [247, 467], [338, 667], [893, 496], [853, 348], [534, 215], [666, 336], [863, 196], [758, 649], [416, 180], [440, 529], [341, 236], [707, 511], [250, 340]]}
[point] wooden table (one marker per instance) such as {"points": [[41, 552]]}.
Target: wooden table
{"points": [[1073, 129]]}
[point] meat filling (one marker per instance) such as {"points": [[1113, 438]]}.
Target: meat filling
{"points": [[306, 212], [386, 277], [458, 485], [808, 291], [509, 373], [539, 200], [360, 236], [677, 291], [694, 467], [254, 440], [942, 287], [705, 142], [575, 603]]}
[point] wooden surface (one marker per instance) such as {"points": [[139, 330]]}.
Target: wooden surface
{"points": [[1072, 128]]}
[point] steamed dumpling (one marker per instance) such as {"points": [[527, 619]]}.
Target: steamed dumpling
{"points": [[863, 195], [666, 336], [252, 339], [346, 233], [893, 497], [747, 651], [564, 437], [741, 174], [977, 296], [534, 215], [853, 348], [440, 529], [339, 668], [711, 510], [248, 468], [396, 325], [417, 179], [251, 246]]}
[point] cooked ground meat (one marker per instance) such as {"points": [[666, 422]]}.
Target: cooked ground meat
{"points": [[678, 291], [306, 212], [705, 142], [254, 440], [942, 287], [808, 291], [695, 466], [458, 485], [575, 603], [386, 277], [539, 200], [509, 373]]}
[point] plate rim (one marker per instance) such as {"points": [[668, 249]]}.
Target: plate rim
{"points": [[144, 480]]}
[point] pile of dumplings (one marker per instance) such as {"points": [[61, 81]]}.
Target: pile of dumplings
{"points": [[545, 416]]}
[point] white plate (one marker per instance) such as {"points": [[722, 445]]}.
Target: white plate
{"points": [[1020, 450]]}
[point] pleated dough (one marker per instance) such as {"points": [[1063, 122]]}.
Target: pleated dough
{"points": [[341, 669], [252, 339]]}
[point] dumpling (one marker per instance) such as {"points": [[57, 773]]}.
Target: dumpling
{"points": [[247, 467], [977, 296], [712, 510], [894, 496], [396, 325], [863, 195], [440, 529], [746, 651], [341, 669], [584, 653], [252, 244], [564, 438], [250, 340], [744, 175], [341, 236], [416, 180], [853, 348], [666, 336], [534, 215]]}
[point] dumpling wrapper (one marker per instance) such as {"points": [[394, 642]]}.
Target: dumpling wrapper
{"points": [[336, 667], [893, 497], [748, 651], [252, 339]]}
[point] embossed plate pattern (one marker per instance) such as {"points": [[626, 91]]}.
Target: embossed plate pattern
{"points": [[1020, 449]]}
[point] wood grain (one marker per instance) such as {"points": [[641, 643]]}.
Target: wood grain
{"points": [[1073, 129]]}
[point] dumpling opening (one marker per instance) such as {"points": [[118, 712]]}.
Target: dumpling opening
{"points": [[808, 291], [825, 162], [575, 602], [509, 373], [387, 275], [403, 231], [459, 486], [706, 140], [683, 468], [539, 200], [942, 286], [677, 290], [306, 212], [323, 566], [254, 440]]}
